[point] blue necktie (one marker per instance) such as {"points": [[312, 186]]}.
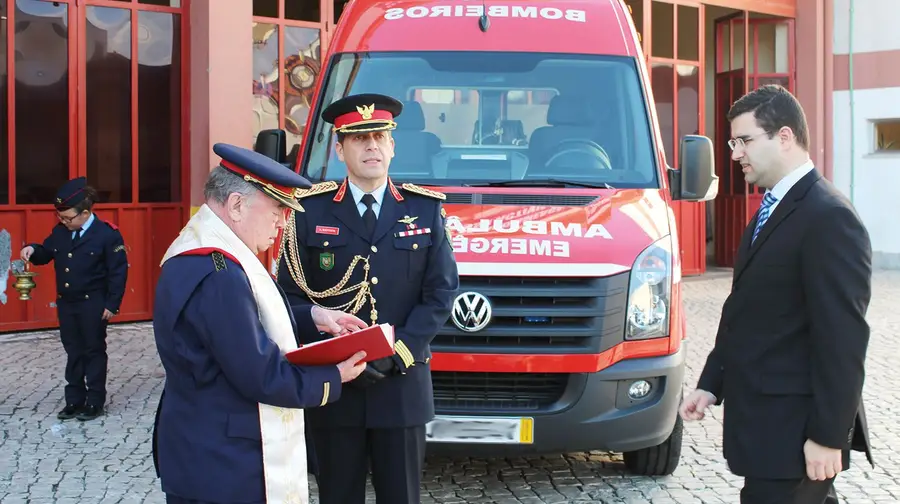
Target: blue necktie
{"points": [[764, 211]]}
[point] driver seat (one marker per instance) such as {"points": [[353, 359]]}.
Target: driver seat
{"points": [[568, 117]]}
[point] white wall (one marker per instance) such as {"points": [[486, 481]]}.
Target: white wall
{"points": [[876, 188], [876, 177], [875, 25]]}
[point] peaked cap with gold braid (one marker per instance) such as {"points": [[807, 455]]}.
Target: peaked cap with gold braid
{"points": [[363, 113]]}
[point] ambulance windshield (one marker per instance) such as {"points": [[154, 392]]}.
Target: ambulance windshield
{"points": [[483, 117]]}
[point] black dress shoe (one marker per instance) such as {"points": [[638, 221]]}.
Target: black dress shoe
{"points": [[70, 411], [89, 412]]}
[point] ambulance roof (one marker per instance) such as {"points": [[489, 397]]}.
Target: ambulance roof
{"points": [[558, 26]]}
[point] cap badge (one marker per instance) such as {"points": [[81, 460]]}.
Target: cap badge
{"points": [[366, 111]]}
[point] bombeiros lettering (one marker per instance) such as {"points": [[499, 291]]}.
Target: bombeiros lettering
{"points": [[496, 11]]}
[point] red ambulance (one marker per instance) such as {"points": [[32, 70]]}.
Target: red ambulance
{"points": [[536, 119]]}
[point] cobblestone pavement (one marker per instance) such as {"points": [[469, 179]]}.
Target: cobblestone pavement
{"points": [[108, 460]]}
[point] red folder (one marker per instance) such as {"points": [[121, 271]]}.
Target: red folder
{"points": [[376, 341]]}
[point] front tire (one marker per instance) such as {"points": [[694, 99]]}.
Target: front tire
{"points": [[659, 460]]}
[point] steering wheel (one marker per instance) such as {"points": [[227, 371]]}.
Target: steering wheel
{"points": [[595, 157]]}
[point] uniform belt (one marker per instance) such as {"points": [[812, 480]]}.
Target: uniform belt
{"points": [[80, 296]]}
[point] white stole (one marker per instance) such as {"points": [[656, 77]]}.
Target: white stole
{"points": [[282, 429]]}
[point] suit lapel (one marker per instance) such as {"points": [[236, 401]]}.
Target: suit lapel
{"points": [[347, 212], [744, 247], [387, 217], [785, 208], [87, 235]]}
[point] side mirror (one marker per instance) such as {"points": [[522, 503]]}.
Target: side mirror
{"points": [[272, 143], [695, 179]]}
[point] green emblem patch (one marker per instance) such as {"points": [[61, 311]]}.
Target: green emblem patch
{"points": [[326, 261]]}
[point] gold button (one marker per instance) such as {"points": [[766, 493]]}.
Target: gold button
{"points": [[374, 248], [86, 296], [59, 296], [325, 244], [415, 246], [67, 284], [374, 280], [70, 254], [67, 270]]}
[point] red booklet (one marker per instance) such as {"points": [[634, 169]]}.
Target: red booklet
{"points": [[376, 341]]}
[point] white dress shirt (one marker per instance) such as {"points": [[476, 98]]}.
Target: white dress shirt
{"points": [[85, 227], [358, 193], [784, 185]]}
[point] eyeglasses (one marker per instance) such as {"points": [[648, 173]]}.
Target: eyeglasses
{"points": [[741, 142], [67, 220]]}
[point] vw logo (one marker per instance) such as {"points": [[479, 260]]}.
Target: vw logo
{"points": [[471, 312]]}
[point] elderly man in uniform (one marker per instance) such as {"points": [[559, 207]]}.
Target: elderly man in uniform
{"points": [[229, 426], [91, 271], [359, 242]]}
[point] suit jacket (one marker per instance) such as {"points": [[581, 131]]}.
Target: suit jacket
{"points": [[414, 280], [220, 364], [97, 263], [789, 356]]}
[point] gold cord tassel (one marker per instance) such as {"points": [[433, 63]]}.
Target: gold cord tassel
{"points": [[289, 245]]}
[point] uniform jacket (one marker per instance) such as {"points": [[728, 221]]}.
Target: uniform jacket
{"points": [[413, 279], [791, 344], [96, 265], [219, 365]]}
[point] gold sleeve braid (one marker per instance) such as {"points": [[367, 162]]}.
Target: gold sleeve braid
{"points": [[295, 268]]}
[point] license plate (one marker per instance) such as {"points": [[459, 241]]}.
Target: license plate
{"points": [[491, 430]]}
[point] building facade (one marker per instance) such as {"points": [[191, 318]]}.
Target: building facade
{"points": [[133, 94]]}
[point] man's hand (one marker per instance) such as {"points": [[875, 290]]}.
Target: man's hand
{"points": [[352, 367], [694, 406], [335, 322], [107, 314], [26, 253], [822, 462]]}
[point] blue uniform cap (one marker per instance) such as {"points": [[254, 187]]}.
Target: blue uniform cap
{"points": [[71, 193], [269, 176]]}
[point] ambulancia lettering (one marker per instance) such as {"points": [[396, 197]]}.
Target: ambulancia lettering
{"points": [[499, 11], [552, 228]]}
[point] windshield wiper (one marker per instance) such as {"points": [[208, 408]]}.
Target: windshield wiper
{"points": [[544, 182]]}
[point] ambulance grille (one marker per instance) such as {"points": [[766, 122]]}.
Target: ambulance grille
{"points": [[497, 391], [542, 315], [519, 199]]}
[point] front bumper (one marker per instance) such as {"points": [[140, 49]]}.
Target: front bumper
{"points": [[594, 413]]}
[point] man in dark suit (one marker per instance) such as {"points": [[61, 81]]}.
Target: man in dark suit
{"points": [[371, 247], [91, 266], [789, 357], [229, 426]]}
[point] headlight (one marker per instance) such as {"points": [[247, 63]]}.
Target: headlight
{"points": [[650, 292]]}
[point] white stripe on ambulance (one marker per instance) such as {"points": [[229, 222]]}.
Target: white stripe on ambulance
{"points": [[516, 11]]}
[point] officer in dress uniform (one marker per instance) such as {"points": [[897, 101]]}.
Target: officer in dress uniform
{"points": [[91, 270], [229, 426], [382, 251]]}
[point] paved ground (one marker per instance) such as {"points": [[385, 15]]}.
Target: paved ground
{"points": [[108, 460]]}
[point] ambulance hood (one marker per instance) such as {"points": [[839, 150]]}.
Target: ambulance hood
{"points": [[595, 233]]}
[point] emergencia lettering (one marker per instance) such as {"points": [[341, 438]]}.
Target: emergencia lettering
{"points": [[499, 11]]}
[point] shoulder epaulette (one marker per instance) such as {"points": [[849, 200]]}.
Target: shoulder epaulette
{"points": [[423, 191], [320, 188], [110, 224], [219, 260]]}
